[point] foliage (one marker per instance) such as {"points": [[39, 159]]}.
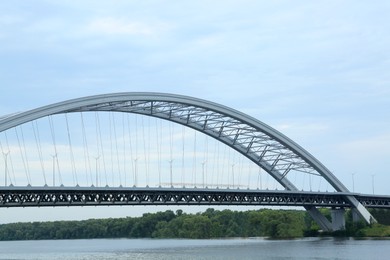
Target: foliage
{"points": [[209, 224], [376, 230], [381, 215]]}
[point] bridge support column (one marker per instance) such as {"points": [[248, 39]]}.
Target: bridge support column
{"points": [[338, 219], [355, 215], [321, 220]]}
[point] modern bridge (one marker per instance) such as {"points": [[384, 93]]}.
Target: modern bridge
{"points": [[71, 162]]}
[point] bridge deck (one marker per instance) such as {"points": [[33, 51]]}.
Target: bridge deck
{"points": [[103, 196]]}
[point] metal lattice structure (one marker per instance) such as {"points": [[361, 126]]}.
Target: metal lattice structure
{"points": [[98, 196], [271, 150]]}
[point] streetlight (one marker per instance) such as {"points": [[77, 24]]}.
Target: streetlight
{"points": [[259, 180], [54, 169], [353, 182], [6, 167], [203, 163], [233, 173], [97, 158], [170, 171], [135, 172], [372, 180]]}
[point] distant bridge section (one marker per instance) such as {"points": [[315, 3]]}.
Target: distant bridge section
{"points": [[106, 196]]}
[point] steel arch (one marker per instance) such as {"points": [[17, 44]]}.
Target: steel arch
{"points": [[265, 146]]}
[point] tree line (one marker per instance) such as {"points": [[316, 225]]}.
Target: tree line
{"points": [[168, 224]]}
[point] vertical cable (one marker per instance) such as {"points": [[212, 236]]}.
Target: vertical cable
{"points": [[71, 153], [97, 157], [182, 158], [124, 149], [194, 162], [26, 170], [136, 152], [145, 156], [204, 163], [111, 149], [55, 160], [117, 151], [5, 164], [149, 151], [101, 143], [158, 146], [131, 148], [87, 161], [218, 164], [214, 164], [25, 152], [10, 158], [38, 143], [170, 151]]}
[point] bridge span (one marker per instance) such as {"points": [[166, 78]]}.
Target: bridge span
{"points": [[50, 161], [109, 196]]}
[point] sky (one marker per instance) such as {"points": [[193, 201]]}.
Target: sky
{"points": [[318, 71]]}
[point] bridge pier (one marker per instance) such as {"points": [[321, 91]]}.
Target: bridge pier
{"points": [[356, 216], [338, 219], [320, 219], [337, 215]]}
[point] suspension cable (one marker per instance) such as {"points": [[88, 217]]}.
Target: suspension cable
{"points": [[98, 152], [158, 146], [124, 149], [55, 150], [182, 158], [111, 149], [117, 151], [170, 151], [204, 163], [130, 146], [136, 152], [10, 157], [148, 153], [101, 144], [86, 150], [23, 158], [74, 173], [38, 143], [218, 165], [212, 181], [145, 156], [194, 162], [5, 154]]}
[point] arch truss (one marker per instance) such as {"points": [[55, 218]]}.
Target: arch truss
{"points": [[269, 149]]}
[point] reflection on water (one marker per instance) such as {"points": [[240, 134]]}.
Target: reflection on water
{"points": [[309, 248]]}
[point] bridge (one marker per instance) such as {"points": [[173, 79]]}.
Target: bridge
{"points": [[108, 150]]}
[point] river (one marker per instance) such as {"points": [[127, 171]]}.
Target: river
{"points": [[256, 248]]}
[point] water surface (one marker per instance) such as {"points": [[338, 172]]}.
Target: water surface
{"points": [[256, 248]]}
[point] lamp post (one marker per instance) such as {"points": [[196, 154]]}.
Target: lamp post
{"points": [[372, 180], [54, 169], [97, 158], [6, 167], [353, 182], [203, 163], [259, 180], [135, 172], [233, 174], [170, 171]]}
